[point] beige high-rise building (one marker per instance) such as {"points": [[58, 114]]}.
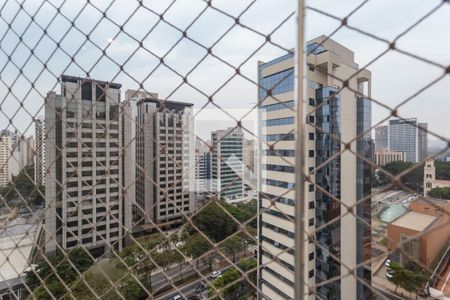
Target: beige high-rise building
{"points": [[165, 156], [344, 114], [39, 154], [5, 160], [83, 183]]}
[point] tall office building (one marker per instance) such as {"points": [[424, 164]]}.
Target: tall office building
{"points": [[406, 136], [423, 141], [83, 183], [202, 168], [248, 154], [227, 163], [5, 159], [129, 119], [381, 137], [345, 177], [165, 184], [39, 155]]}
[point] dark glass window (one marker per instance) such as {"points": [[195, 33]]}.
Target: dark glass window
{"points": [[86, 91], [100, 92]]}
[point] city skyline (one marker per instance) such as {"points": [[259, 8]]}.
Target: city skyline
{"points": [[184, 149], [229, 97]]}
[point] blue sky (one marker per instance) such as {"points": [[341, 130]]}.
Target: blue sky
{"points": [[395, 76]]}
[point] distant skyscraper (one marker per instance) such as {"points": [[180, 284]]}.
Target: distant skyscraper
{"points": [[381, 137], [165, 186], [83, 185], [202, 168], [30, 150], [5, 159], [405, 136], [39, 155], [249, 153], [227, 163], [343, 176], [423, 141]]}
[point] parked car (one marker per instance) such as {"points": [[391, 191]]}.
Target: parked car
{"points": [[200, 288], [389, 274], [387, 263], [216, 274], [177, 297]]}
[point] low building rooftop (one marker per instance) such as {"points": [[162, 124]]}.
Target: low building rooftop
{"points": [[415, 221]]}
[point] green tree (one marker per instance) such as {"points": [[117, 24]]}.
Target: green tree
{"points": [[23, 186], [196, 246], [229, 292], [58, 265], [438, 192], [131, 290], [442, 169], [398, 274], [215, 220], [412, 179], [233, 246], [414, 281], [245, 265]]}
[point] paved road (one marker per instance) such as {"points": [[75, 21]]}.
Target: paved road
{"points": [[187, 290], [159, 280]]}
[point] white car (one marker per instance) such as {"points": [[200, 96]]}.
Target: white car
{"points": [[387, 263], [216, 274], [389, 274]]}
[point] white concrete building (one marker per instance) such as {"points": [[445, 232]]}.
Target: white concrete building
{"points": [[83, 185], [344, 114], [165, 156]]}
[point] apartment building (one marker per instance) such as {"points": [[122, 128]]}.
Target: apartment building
{"points": [[39, 154], [227, 163], [83, 183], [409, 136], [165, 156], [344, 177], [5, 160]]}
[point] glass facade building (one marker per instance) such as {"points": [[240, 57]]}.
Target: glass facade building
{"points": [[337, 180]]}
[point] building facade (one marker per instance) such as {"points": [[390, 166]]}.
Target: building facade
{"points": [[227, 163], [381, 137], [83, 182], [39, 155], [429, 181], [202, 168], [165, 180], [5, 160], [405, 135], [344, 177], [385, 156], [249, 153]]}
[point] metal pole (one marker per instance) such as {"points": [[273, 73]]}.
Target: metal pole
{"points": [[299, 160]]}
